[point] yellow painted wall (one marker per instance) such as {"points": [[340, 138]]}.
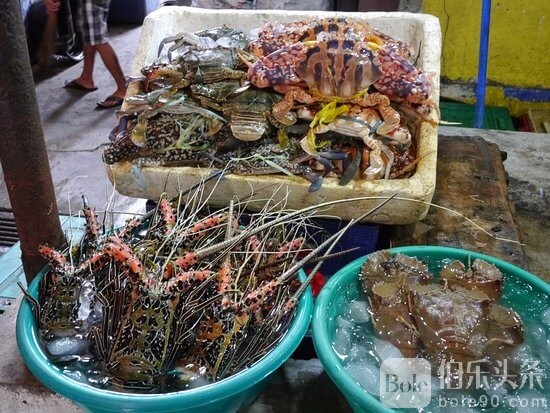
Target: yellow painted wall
{"points": [[519, 40]]}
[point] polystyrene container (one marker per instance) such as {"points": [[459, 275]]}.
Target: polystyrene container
{"points": [[523, 292], [422, 31], [227, 395]]}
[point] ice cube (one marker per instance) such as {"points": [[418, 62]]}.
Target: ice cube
{"points": [[87, 294], [544, 350], [199, 381], [76, 375], [358, 352], [535, 334], [494, 389], [342, 342], [359, 334], [385, 350], [366, 374], [522, 353], [358, 312], [66, 346], [344, 324]]}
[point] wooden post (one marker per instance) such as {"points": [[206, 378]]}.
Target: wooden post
{"points": [[22, 147]]}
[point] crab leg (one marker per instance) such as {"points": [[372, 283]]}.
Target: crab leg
{"points": [[281, 110], [382, 102], [377, 166]]}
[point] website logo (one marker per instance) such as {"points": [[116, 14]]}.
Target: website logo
{"points": [[405, 382]]}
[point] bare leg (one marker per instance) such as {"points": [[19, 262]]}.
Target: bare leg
{"points": [[110, 59], [86, 78]]}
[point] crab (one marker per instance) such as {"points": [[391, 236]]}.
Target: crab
{"points": [[202, 57], [248, 111], [359, 122], [162, 138], [362, 123], [342, 65], [274, 36], [304, 72]]}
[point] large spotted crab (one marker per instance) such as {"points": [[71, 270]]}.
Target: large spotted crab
{"points": [[272, 37], [336, 59]]}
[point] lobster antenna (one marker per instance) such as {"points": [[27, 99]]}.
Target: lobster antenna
{"points": [[225, 244], [218, 174], [332, 241]]}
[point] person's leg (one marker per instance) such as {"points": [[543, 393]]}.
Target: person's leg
{"points": [[85, 26], [86, 78], [107, 53], [110, 59]]}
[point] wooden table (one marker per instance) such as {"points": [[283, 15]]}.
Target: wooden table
{"points": [[471, 208]]}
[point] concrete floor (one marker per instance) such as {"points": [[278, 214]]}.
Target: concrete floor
{"points": [[76, 133]]}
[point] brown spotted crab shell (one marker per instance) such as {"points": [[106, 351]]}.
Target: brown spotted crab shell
{"points": [[273, 36], [331, 67], [452, 323], [342, 67], [505, 334], [401, 80], [401, 269], [392, 320], [482, 276]]}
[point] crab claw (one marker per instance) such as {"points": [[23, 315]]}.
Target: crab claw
{"points": [[247, 58], [281, 111], [386, 128], [382, 102], [167, 40], [326, 163], [315, 179]]}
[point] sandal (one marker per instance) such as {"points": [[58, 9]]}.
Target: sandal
{"points": [[73, 84], [110, 102]]}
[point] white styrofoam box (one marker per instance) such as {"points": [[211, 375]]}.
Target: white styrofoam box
{"points": [[422, 31]]}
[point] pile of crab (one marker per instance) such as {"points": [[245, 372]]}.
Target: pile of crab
{"points": [[316, 98], [181, 296]]}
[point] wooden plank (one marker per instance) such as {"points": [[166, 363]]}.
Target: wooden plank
{"points": [[471, 180]]}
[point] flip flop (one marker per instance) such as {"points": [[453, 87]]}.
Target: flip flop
{"points": [[73, 84], [110, 102]]}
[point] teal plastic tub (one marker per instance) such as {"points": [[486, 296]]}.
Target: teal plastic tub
{"points": [[227, 395], [344, 287]]}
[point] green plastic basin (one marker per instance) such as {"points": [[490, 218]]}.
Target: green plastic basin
{"points": [[344, 286], [227, 395]]}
